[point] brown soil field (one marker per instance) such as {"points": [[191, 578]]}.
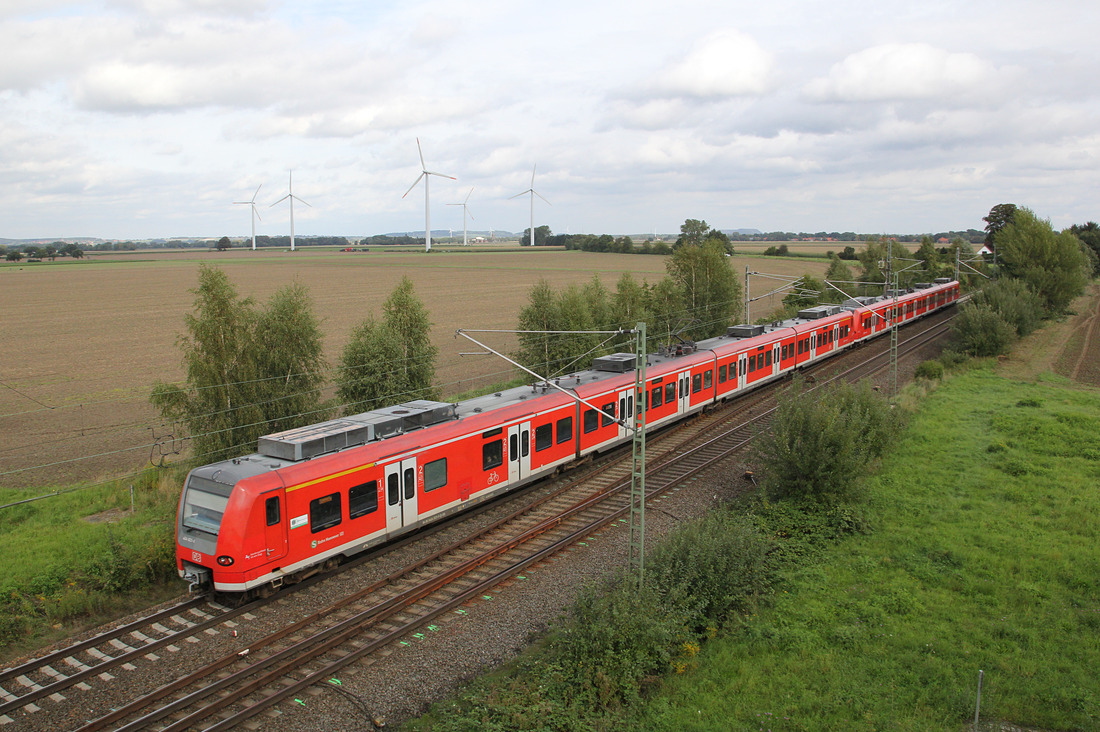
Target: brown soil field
{"points": [[1069, 347], [85, 341]]}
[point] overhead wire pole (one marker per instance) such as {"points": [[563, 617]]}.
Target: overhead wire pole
{"points": [[637, 474]]}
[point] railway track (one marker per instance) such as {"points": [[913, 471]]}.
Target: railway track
{"points": [[268, 669]]}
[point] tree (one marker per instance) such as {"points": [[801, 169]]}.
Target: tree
{"points": [[1051, 264], [405, 315], [14, 255], [929, 257], [999, 217], [248, 372], [290, 360], [628, 305], [981, 331], [692, 231], [542, 234], [223, 244], [709, 289], [368, 368], [537, 350], [217, 402], [838, 271]]}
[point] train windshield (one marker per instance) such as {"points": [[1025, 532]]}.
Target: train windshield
{"points": [[204, 503]]}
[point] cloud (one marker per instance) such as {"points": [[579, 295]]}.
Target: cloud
{"points": [[723, 64], [901, 71]]}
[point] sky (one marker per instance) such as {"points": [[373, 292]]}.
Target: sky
{"points": [[134, 119]]}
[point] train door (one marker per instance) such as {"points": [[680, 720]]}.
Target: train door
{"points": [[275, 530], [775, 359], [400, 494], [626, 412], [684, 391], [519, 451], [813, 345], [743, 370]]}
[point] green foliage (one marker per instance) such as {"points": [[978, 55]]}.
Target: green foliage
{"points": [[715, 567], [391, 361], [248, 372], [710, 293], [999, 217], [979, 330], [1015, 302], [821, 441], [838, 271], [931, 370], [1052, 264]]}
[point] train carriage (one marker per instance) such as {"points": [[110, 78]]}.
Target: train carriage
{"points": [[310, 496]]}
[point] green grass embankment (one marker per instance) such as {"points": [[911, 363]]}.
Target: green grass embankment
{"points": [[984, 555]]}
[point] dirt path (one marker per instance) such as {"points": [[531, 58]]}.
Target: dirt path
{"points": [[1070, 347], [1080, 360]]}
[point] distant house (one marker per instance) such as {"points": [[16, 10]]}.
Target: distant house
{"points": [[985, 250]]}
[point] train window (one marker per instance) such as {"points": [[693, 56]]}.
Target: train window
{"points": [[525, 443], [409, 480], [696, 383], [800, 351], [752, 362], [768, 358], [271, 506], [608, 414], [670, 392], [363, 499], [630, 406], [655, 398], [435, 474], [544, 436], [393, 489], [565, 429], [493, 433], [513, 450], [743, 367], [708, 379], [324, 512], [592, 420], [722, 374], [492, 454]]}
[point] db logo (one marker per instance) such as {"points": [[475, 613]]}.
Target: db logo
{"points": [[313, 545], [196, 557]]}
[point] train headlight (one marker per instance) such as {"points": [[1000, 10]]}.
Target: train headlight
{"points": [[225, 560]]}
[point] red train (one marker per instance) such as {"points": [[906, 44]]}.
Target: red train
{"points": [[311, 495]]}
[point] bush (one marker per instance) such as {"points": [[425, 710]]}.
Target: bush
{"points": [[981, 331], [821, 442], [1015, 302], [931, 370], [715, 566]]}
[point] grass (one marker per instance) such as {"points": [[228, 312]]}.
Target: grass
{"points": [[985, 555], [977, 549], [83, 556]]}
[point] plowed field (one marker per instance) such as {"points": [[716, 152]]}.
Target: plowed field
{"points": [[83, 342]]}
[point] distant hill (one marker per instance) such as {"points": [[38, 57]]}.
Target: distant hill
{"points": [[742, 232], [444, 233]]}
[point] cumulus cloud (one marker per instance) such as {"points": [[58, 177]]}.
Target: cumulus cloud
{"points": [[723, 64], [901, 71]]}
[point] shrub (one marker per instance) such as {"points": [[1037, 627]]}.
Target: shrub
{"points": [[1015, 302], [821, 442], [981, 331], [929, 370], [715, 566]]}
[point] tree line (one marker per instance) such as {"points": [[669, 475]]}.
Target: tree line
{"points": [[252, 369]]}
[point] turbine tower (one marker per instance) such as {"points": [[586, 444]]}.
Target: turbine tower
{"points": [[425, 174], [292, 198], [465, 210], [533, 193], [255, 213]]}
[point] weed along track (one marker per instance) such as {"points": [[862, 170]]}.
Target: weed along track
{"points": [[259, 658]]}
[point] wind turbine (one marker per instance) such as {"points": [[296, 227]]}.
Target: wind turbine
{"points": [[533, 193], [425, 173], [465, 210], [255, 213], [292, 198]]}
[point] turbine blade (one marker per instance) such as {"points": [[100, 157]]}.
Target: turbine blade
{"points": [[540, 196], [441, 175], [257, 191], [423, 165], [301, 201], [261, 218], [468, 196], [524, 193], [533, 176], [414, 182], [280, 200], [469, 214]]}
